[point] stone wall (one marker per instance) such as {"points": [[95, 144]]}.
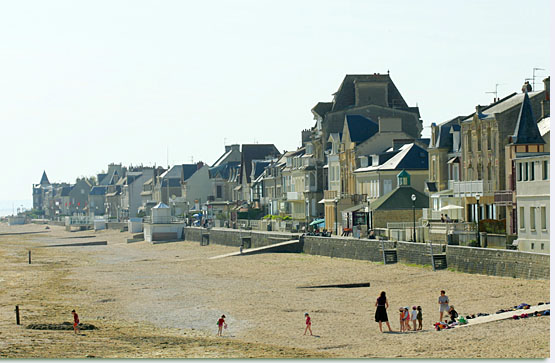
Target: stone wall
{"points": [[495, 262], [233, 237], [417, 253], [346, 247]]}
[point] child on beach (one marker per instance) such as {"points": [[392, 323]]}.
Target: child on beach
{"points": [[419, 317], [221, 324], [413, 317], [401, 320], [407, 318], [308, 324], [75, 322], [453, 314]]}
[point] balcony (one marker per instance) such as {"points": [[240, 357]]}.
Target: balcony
{"points": [[472, 188], [330, 194], [503, 197], [295, 196]]}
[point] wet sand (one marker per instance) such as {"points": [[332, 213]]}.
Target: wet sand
{"points": [[163, 301]]}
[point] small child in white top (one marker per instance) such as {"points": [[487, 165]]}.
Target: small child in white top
{"points": [[413, 315]]}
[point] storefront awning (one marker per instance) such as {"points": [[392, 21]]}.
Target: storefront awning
{"points": [[353, 209]]}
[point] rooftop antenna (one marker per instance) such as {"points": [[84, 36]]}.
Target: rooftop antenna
{"points": [[495, 92], [168, 156], [534, 76], [192, 159]]}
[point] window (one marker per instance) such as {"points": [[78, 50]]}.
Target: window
{"points": [[543, 218], [218, 191], [469, 141], [532, 170], [387, 186], [519, 172], [543, 245], [489, 138], [532, 245], [479, 139], [521, 217], [533, 218], [525, 171], [545, 170]]}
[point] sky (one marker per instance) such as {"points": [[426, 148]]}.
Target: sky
{"points": [[84, 84]]}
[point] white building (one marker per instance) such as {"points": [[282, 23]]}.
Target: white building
{"points": [[532, 199]]}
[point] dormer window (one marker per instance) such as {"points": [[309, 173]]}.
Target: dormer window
{"points": [[403, 179]]}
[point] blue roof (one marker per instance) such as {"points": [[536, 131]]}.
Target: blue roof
{"points": [[360, 128], [526, 130], [259, 166], [98, 190], [223, 170], [415, 158], [174, 182]]}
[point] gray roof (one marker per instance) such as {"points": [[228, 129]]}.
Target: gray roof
{"points": [[526, 130], [409, 156], [360, 128], [444, 137], [250, 152], [502, 105]]}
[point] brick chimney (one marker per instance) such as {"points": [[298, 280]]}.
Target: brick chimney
{"points": [[545, 101]]}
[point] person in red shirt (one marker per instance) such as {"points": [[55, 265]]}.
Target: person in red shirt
{"points": [[308, 324], [221, 324], [75, 322]]}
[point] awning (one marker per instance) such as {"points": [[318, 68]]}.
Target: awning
{"points": [[353, 209], [454, 160], [317, 221]]}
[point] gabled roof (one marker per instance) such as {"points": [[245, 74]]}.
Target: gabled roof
{"points": [[409, 156], [258, 167], [360, 128], [345, 95], [64, 191], [400, 198], [444, 137], [223, 157], [526, 130], [250, 152], [504, 104], [181, 172], [44, 179]]}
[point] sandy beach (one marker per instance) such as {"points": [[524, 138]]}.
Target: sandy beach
{"points": [[163, 301]]}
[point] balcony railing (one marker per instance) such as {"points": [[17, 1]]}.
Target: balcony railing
{"points": [[295, 196], [503, 197], [330, 194], [472, 188]]}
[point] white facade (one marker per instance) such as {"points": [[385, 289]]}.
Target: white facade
{"points": [[532, 200]]}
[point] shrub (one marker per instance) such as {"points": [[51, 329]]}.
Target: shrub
{"points": [[492, 226]]}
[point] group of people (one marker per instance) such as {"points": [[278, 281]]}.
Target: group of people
{"points": [[446, 219], [414, 316]]}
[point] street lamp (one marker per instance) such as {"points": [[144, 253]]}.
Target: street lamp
{"points": [[413, 197], [307, 201], [335, 200], [478, 219]]}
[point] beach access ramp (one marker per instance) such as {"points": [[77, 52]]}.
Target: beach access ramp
{"points": [[505, 315], [287, 246]]}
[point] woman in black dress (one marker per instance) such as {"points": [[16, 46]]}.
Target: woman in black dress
{"points": [[381, 312]]}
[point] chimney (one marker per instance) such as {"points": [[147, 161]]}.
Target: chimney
{"points": [[227, 148], [479, 108], [235, 147], [200, 164], [545, 102]]}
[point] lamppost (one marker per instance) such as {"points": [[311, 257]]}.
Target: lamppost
{"points": [[413, 197], [335, 200], [307, 201], [478, 219]]}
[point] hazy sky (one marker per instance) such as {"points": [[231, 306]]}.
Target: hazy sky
{"points": [[83, 84]]}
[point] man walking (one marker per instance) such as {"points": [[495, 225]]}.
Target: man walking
{"points": [[443, 302], [75, 322]]}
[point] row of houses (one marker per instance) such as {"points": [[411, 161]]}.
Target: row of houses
{"points": [[363, 164]]}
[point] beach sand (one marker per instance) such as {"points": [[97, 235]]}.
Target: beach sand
{"points": [[163, 301]]}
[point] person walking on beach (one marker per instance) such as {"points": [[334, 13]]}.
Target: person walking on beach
{"points": [[75, 322], [381, 311], [308, 324], [221, 324], [419, 317], [443, 302]]}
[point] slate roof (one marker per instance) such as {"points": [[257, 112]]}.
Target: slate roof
{"points": [[223, 170], [526, 129], [64, 191], [345, 95], [98, 190], [504, 104], [259, 166], [322, 108], [544, 126], [223, 157], [409, 156], [444, 137], [360, 128], [400, 198], [250, 152], [44, 179], [181, 172], [174, 182]]}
